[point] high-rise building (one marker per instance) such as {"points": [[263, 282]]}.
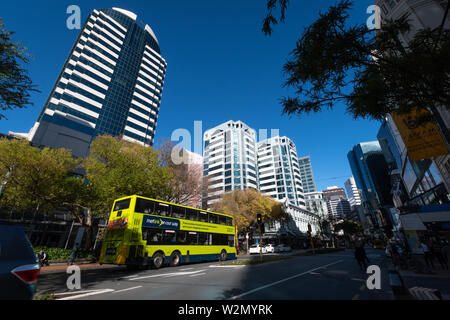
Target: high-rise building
{"points": [[370, 172], [229, 159], [306, 174], [111, 84], [352, 192], [279, 172], [337, 203]]}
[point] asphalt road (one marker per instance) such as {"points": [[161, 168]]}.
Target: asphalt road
{"points": [[334, 276]]}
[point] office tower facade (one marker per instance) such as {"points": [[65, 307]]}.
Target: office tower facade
{"points": [[229, 160], [306, 174], [111, 84], [279, 172], [337, 203], [352, 192], [370, 172]]}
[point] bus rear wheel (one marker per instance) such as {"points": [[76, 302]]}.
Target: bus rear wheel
{"points": [[175, 259], [157, 260], [223, 255]]}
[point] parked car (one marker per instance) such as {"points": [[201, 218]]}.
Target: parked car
{"points": [[283, 248], [19, 268], [270, 248], [255, 249]]}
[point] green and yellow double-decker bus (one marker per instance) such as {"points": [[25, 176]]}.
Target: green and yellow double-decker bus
{"points": [[147, 232]]}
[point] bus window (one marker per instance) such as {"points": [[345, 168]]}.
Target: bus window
{"points": [[203, 239], [144, 206], [229, 221], [178, 212], [191, 238], [231, 240], [181, 237], [222, 220], [213, 218], [154, 236], [122, 205], [169, 237], [191, 214], [219, 239], [203, 216], [162, 209]]}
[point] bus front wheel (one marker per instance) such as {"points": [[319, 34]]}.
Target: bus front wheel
{"points": [[175, 259], [158, 260]]}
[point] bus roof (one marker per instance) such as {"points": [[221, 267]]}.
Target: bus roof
{"points": [[174, 204]]}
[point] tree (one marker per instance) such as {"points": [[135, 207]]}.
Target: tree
{"points": [[43, 181], [348, 227], [244, 205], [117, 168], [372, 75], [187, 176], [15, 84], [35, 178]]}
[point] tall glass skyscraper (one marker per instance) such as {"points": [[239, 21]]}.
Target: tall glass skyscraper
{"points": [[111, 84], [306, 174]]}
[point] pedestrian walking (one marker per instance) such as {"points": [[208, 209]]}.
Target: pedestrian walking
{"points": [[428, 254], [73, 256], [361, 257], [439, 253]]}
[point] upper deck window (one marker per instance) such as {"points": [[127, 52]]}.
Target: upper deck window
{"points": [[122, 205]]}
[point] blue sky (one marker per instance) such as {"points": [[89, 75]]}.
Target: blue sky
{"points": [[220, 67]]}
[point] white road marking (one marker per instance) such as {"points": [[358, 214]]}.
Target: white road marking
{"points": [[198, 274], [283, 280], [227, 266], [172, 274], [88, 294], [127, 289], [186, 269]]}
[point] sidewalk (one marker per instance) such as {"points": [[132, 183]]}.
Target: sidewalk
{"points": [[62, 268], [438, 279]]}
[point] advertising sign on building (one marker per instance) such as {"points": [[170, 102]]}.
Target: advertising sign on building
{"points": [[423, 141]]}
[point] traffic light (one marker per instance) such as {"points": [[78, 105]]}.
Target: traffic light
{"points": [[259, 218], [260, 222]]}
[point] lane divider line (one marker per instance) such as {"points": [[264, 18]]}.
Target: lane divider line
{"points": [[88, 294], [127, 289], [281, 281]]}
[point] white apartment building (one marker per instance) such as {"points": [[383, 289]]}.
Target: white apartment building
{"points": [[352, 192], [229, 160], [316, 204], [278, 171], [297, 226]]}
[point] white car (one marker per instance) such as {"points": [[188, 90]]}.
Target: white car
{"points": [[270, 248], [255, 249], [283, 248]]}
